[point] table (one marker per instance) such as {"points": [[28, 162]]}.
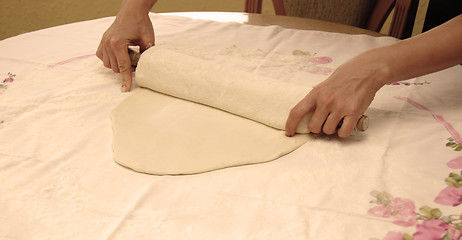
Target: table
{"points": [[58, 180]]}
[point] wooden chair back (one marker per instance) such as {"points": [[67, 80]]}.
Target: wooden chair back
{"points": [[375, 13]]}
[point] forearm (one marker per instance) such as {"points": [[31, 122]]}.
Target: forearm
{"points": [[428, 52], [348, 92]]}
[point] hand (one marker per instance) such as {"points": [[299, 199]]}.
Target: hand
{"points": [[128, 29], [346, 94]]}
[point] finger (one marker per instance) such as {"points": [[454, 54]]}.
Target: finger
{"points": [[124, 67], [348, 126], [109, 59], [99, 51], [113, 59], [330, 126], [297, 113], [126, 80], [317, 120], [106, 61]]}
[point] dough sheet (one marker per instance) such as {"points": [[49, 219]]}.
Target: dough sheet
{"points": [[159, 134]]}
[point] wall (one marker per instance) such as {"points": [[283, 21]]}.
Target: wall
{"points": [[20, 16]]}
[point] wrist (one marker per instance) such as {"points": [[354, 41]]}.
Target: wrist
{"points": [[382, 65], [136, 7]]}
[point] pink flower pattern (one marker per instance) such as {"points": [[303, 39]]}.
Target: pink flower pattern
{"points": [[401, 210], [10, 78], [450, 196], [409, 84], [455, 163], [393, 236], [435, 229], [321, 60], [430, 224], [6, 81]]}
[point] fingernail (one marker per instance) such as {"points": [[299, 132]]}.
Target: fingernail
{"points": [[124, 88]]}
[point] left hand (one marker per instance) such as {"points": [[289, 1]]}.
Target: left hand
{"points": [[128, 29]]}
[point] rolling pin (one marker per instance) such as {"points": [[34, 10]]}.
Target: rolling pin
{"points": [[361, 125]]}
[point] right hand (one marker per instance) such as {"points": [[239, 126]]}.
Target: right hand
{"points": [[128, 29], [345, 95]]}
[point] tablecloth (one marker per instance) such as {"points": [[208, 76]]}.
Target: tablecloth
{"points": [[58, 179]]}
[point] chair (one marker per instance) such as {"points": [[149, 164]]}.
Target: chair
{"points": [[374, 15]]}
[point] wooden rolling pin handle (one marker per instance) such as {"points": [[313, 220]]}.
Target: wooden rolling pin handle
{"points": [[134, 56], [361, 125]]}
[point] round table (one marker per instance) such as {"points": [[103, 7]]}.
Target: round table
{"points": [[58, 179]]}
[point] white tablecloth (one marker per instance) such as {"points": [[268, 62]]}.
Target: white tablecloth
{"points": [[58, 179]]}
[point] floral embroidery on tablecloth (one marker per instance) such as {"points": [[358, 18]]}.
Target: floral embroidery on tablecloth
{"points": [[4, 85], [453, 144], [73, 59], [8, 80], [455, 141], [270, 63], [409, 84], [429, 223], [400, 210], [314, 64]]}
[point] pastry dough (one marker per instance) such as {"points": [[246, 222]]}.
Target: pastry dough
{"points": [[192, 115]]}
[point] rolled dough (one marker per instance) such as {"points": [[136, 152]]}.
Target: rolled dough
{"points": [[192, 115], [194, 78]]}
